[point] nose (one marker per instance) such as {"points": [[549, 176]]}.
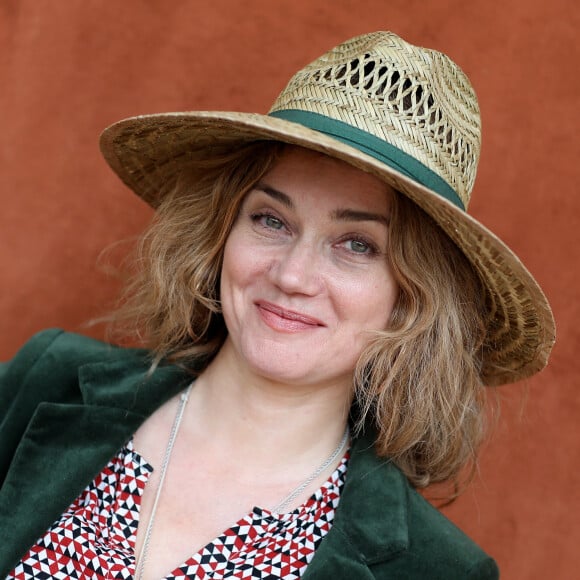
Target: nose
{"points": [[297, 269]]}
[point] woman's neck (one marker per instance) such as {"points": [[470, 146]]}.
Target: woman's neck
{"points": [[275, 421]]}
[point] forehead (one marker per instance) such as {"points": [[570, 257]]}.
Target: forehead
{"points": [[299, 172]]}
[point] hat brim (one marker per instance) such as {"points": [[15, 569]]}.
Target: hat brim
{"points": [[149, 152]]}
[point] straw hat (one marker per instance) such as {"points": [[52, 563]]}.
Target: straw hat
{"points": [[403, 113]]}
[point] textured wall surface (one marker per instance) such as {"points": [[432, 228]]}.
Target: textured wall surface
{"points": [[70, 68]]}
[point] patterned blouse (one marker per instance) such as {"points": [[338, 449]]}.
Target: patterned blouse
{"points": [[95, 537]]}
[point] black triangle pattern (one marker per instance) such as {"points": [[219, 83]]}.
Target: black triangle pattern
{"points": [[95, 537]]}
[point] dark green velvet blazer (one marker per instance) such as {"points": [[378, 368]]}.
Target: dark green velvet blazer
{"points": [[69, 403]]}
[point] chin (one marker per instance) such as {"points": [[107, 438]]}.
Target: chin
{"points": [[295, 364], [297, 371], [283, 372]]}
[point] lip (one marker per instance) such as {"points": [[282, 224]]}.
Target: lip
{"points": [[282, 319]]}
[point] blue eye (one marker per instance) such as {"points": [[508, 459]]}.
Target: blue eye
{"points": [[267, 221], [271, 222], [359, 247]]}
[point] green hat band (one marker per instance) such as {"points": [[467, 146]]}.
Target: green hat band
{"points": [[375, 147]]}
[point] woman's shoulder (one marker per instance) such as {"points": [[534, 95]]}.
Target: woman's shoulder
{"points": [[442, 546], [68, 344], [397, 531], [47, 366], [58, 349]]}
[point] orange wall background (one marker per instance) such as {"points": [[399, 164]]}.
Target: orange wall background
{"points": [[70, 68]]}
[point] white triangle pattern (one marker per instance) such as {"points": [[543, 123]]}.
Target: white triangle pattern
{"points": [[95, 537]]}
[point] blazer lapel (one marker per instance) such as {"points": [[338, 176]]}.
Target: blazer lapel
{"points": [[67, 445], [370, 524]]}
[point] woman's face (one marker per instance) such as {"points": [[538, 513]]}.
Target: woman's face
{"points": [[305, 273]]}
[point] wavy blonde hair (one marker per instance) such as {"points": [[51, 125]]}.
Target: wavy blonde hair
{"points": [[417, 384]]}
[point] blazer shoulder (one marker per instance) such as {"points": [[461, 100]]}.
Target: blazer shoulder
{"points": [[62, 350], [384, 524], [29, 353], [46, 368], [440, 548]]}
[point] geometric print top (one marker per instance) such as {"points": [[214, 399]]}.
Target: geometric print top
{"points": [[95, 536]]}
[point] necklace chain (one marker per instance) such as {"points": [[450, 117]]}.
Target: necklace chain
{"points": [[140, 566], [298, 490], [166, 458]]}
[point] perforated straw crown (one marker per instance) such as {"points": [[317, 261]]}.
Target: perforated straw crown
{"points": [[403, 113], [413, 109]]}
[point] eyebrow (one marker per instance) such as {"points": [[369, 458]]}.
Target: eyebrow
{"points": [[338, 214], [283, 198], [353, 215]]}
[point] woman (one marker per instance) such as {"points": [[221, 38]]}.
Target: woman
{"points": [[321, 317]]}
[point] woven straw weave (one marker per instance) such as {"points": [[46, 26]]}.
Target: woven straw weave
{"points": [[420, 102]]}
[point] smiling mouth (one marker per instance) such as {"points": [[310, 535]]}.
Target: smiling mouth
{"points": [[287, 320]]}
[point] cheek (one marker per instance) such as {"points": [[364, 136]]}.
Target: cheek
{"points": [[231, 281], [369, 301], [241, 263], [230, 276], [228, 271], [234, 253]]}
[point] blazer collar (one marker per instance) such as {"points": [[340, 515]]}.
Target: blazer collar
{"points": [[132, 387]]}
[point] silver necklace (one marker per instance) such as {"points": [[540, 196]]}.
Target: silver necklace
{"points": [[166, 458], [298, 490], [140, 566]]}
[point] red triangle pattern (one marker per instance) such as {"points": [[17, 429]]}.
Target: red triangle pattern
{"points": [[95, 537]]}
